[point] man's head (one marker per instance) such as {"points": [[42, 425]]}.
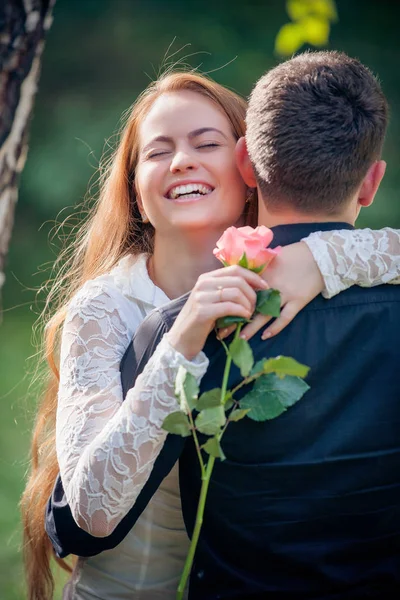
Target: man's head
{"points": [[315, 131]]}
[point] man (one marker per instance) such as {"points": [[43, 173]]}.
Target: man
{"points": [[308, 505]]}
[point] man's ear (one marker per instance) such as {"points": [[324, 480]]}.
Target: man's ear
{"points": [[371, 183], [243, 163]]}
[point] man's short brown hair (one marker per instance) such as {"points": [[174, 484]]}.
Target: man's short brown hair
{"points": [[315, 124]]}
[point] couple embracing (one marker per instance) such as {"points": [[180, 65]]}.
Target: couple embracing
{"points": [[306, 506]]}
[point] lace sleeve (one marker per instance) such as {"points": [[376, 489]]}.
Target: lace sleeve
{"points": [[362, 257], [106, 448]]}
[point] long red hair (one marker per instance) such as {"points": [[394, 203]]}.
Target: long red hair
{"points": [[112, 230]]}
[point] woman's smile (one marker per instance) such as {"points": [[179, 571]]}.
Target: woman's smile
{"points": [[185, 191]]}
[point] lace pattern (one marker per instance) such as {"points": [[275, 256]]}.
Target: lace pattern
{"points": [[362, 257], [106, 448]]}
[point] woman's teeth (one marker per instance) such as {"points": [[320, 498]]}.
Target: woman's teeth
{"points": [[192, 190]]}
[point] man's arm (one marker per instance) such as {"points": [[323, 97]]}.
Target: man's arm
{"points": [[65, 535]]}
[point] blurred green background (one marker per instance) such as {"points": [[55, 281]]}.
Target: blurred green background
{"points": [[99, 55]]}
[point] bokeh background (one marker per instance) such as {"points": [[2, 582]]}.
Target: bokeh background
{"points": [[99, 55]]}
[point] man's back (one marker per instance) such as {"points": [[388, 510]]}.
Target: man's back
{"points": [[308, 505]]}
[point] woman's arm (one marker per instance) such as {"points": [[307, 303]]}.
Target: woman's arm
{"points": [[106, 448], [328, 262], [364, 257]]}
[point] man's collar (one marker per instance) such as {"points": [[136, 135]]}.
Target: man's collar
{"points": [[289, 234]]}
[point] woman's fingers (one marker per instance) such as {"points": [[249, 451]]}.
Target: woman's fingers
{"points": [[255, 280], [236, 295], [231, 282], [226, 331], [256, 324], [230, 309], [288, 313]]}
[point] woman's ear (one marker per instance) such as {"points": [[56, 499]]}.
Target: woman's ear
{"points": [[139, 202], [243, 163]]}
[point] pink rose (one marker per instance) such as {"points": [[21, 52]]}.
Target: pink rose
{"points": [[246, 247]]}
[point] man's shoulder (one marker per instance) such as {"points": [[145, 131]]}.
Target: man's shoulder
{"points": [[358, 296]]}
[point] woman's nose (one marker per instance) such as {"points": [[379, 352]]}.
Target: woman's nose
{"points": [[182, 161]]}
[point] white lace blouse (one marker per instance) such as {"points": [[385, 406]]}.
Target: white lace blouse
{"points": [[106, 448]]}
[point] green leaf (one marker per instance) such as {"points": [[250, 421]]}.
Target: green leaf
{"points": [[238, 414], [259, 269], [242, 355], [209, 399], [177, 423], [186, 389], [268, 302], [285, 365], [210, 420], [229, 402], [271, 396], [243, 262], [258, 367], [298, 9], [289, 39], [213, 447], [223, 322], [316, 30]]}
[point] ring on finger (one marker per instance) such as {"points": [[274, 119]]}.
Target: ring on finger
{"points": [[220, 288]]}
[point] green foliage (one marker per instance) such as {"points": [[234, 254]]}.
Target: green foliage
{"points": [[242, 355], [311, 24], [210, 420], [238, 414], [243, 262], [186, 389], [272, 395], [268, 302], [281, 366], [299, 9], [209, 399], [228, 321], [177, 423], [229, 401], [213, 448]]}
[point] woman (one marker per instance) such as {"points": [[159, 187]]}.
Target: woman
{"points": [[169, 192]]}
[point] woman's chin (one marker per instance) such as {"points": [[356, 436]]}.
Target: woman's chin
{"points": [[204, 223], [201, 215]]}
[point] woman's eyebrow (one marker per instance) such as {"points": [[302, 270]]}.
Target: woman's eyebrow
{"points": [[202, 130], [159, 138], [168, 140]]}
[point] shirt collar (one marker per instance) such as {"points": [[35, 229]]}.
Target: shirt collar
{"points": [[294, 232], [133, 279]]}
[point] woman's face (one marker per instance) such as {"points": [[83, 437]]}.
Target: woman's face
{"points": [[186, 177]]}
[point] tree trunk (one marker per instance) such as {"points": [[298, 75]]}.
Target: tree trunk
{"points": [[23, 24]]}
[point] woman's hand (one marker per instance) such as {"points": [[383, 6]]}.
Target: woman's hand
{"points": [[229, 291], [296, 275]]}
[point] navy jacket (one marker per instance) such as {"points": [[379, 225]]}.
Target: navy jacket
{"points": [[308, 505]]}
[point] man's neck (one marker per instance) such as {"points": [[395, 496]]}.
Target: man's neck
{"points": [[289, 217]]}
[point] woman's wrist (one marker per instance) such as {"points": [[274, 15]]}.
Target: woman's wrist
{"points": [[177, 341]]}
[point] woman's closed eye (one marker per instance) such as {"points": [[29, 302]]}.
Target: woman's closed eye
{"points": [[158, 153], [208, 145]]}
